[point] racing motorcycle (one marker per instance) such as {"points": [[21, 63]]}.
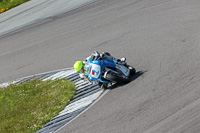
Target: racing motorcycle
{"points": [[108, 71]]}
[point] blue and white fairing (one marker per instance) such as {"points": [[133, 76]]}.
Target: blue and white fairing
{"points": [[96, 68]]}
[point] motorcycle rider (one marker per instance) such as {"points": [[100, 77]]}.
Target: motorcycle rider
{"points": [[83, 67]]}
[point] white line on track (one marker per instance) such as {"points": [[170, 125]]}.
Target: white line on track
{"points": [[104, 93]]}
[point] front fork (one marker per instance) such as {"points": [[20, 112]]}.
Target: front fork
{"points": [[103, 85]]}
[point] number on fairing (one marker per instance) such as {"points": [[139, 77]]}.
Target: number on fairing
{"points": [[95, 72]]}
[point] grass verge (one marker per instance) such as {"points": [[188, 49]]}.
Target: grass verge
{"points": [[26, 107], [8, 4]]}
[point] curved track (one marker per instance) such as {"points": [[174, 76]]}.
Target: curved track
{"points": [[159, 37]]}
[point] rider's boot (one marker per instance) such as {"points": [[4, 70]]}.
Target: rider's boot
{"points": [[123, 59], [108, 56]]}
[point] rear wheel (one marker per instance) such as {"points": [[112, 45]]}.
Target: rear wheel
{"points": [[132, 70]]}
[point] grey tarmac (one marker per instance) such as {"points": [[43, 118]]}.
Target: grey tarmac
{"points": [[160, 38]]}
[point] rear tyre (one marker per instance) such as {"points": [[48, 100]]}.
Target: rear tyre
{"points": [[132, 70]]}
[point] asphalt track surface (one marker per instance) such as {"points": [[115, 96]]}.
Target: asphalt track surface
{"points": [[160, 38]]}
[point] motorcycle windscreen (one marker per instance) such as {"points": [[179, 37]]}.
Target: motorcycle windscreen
{"points": [[95, 72]]}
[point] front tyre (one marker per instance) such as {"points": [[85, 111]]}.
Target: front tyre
{"points": [[103, 86]]}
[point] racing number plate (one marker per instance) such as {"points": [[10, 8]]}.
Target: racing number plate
{"points": [[95, 71]]}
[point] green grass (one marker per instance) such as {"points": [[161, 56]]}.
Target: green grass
{"points": [[8, 4], [28, 106]]}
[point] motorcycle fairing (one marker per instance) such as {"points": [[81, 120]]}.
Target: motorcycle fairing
{"points": [[97, 67]]}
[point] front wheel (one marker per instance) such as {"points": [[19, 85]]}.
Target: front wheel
{"points": [[103, 85]]}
